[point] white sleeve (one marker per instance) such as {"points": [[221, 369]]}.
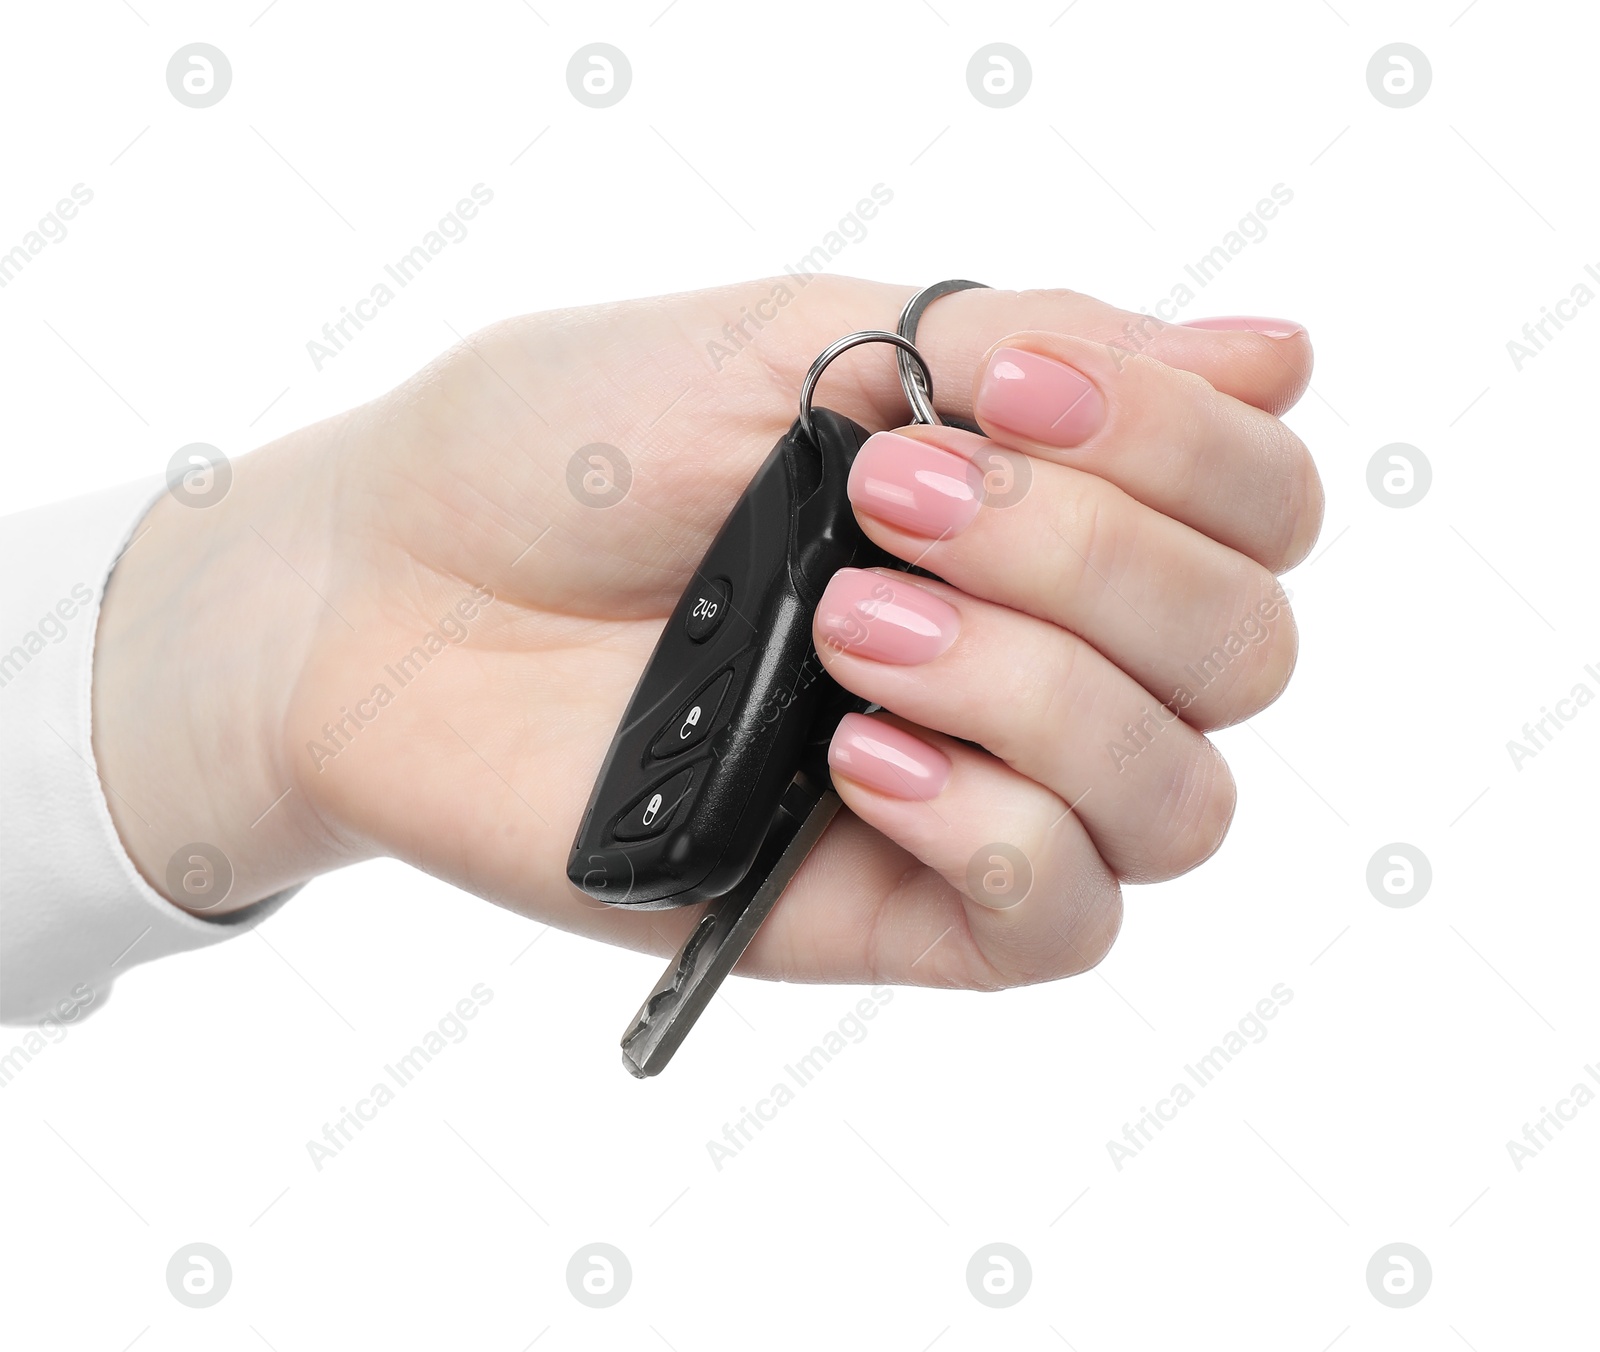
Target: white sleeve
{"points": [[74, 911]]}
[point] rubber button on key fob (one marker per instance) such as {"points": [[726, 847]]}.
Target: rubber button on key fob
{"points": [[689, 728], [707, 609], [651, 813]]}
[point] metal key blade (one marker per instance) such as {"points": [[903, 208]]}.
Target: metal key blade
{"points": [[726, 929]]}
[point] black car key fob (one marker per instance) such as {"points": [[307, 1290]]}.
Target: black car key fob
{"points": [[716, 785], [716, 727]]}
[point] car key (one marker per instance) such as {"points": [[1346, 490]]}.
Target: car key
{"points": [[715, 786], [712, 734], [729, 924]]}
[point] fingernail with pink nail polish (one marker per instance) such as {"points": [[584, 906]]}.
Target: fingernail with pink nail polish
{"points": [[884, 758], [1039, 398], [918, 487], [1269, 328], [867, 615]]}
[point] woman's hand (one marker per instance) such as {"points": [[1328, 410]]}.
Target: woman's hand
{"points": [[412, 630]]}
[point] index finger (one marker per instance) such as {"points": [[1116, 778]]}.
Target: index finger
{"points": [[1263, 362]]}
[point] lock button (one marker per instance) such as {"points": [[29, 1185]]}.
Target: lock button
{"points": [[690, 726], [652, 813]]}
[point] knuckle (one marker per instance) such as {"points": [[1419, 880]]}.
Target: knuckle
{"points": [[825, 291], [1177, 422], [1048, 295], [1050, 693], [1184, 394], [1089, 537], [1281, 652], [1091, 932], [1198, 810], [1267, 642], [1062, 930], [1304, 506]]}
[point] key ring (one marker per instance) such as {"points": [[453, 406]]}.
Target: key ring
{"points": [[908, 354], [919, 392]]}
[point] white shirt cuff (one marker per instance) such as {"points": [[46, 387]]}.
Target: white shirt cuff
{"points": [[74, 910]]}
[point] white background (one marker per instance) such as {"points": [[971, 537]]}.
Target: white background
{"points": [[1418, 1041]]}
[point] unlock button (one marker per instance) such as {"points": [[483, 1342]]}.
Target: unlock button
{"points": [[690, 726]]}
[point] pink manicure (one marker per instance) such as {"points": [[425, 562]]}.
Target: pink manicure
{"points": [[915, 486], [1039, 398], [1270, 328], [867, 615], [882, 757]]}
